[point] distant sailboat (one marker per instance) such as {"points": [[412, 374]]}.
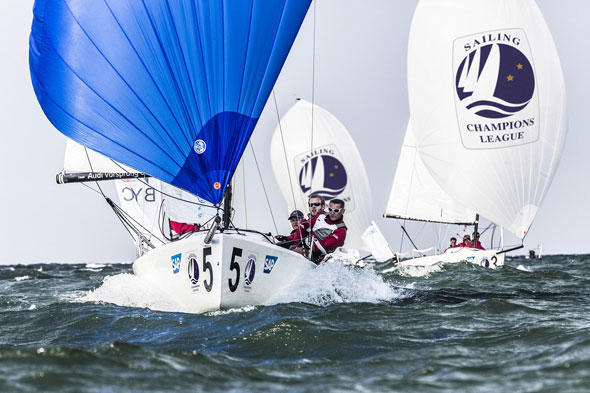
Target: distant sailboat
{"points": [[333, 168], [488, 127]]}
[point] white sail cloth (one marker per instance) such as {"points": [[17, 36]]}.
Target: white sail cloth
{"points": [[79, 159], [487, 104], [141, 200], [415, 195], [333, 168]]}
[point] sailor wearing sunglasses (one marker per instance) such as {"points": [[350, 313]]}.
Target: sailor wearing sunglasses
{"points": [[328, 231], [316, 203]]}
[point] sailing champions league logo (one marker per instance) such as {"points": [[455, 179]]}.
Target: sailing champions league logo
{"points": [[193, 272], [496, 96], [322, 172], [249, 272]]}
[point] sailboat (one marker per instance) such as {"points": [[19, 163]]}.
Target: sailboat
{"points": [[174, 91], [487, 120], [331, 167]]}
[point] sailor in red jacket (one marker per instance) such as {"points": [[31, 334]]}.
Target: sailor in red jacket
{"points": [[476, 243], [328, 231], [317, 204], [296, 219]]}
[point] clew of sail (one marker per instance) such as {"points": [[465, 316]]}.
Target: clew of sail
{"points": [[171, 90], [415, 195], [333, 168], [487, 104]]}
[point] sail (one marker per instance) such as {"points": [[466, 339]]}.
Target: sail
{"points": [[180, 206], [82, 165], [333, 168], [171, 88], [416, 196], [141, 200], [487, 104]]}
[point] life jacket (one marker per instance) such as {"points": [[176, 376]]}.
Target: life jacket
{"points": [[321, 230]]}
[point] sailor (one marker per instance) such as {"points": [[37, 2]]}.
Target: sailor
{"points": [[295, 219], [453, 243], [477, 242], [316, 203], [466, 241], [328, 231]]}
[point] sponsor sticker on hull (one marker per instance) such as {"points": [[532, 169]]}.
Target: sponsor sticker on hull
{"points": [[496, 96], [269, 263], [175, 259]]}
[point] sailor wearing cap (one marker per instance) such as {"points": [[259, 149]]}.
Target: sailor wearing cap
{"points": [[295, 219]]}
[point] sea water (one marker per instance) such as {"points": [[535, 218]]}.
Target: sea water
{"points": [[453, 328]]}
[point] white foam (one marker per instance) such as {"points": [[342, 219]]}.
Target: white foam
{"points": [[524, 268], [95, 265], [418, 271], [231, 311], [336, 283], [130, 291], [22, 278]]}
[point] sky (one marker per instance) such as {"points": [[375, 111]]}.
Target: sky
{"points": [[360, 77]]}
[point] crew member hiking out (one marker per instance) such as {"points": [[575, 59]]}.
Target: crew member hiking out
{"points": [[328, 231], [316, 204]]}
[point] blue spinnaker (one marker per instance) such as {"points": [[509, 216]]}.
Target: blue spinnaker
{"points": [[173, 88]]}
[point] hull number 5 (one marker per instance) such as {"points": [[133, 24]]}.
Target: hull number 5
{"points": [[237, 252]]}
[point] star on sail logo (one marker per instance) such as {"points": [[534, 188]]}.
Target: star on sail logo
{"points": [[250, 271], [200, 146], [321, 172], [496, 98]]}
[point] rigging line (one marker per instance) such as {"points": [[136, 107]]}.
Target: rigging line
{"points": [[313, 71], [244, 190], [284, 148], [164, 193], [286, 160], [129, 217], [263, 186], [401, 242], [113, 204]]}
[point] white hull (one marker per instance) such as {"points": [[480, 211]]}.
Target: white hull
{"points": [[234, 270], [486, 258]]}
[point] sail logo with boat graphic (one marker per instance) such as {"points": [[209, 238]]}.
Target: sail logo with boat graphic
{"points": [[249, 272], [193, 272], [496, 98], [322, 172]]}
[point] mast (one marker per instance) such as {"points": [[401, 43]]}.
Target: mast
{"points": [[474, 242], [227, 207]]}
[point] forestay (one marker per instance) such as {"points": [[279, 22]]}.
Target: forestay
{"points": [[172, 89], [415, 195], [333, 168], [141, 200], [487, 104]]}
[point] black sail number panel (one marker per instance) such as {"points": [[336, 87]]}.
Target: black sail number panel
{"points": [[234, 265]]}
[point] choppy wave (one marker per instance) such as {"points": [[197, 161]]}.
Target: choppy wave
{"points": [[523, 327]]}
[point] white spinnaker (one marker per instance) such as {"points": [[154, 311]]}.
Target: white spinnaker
{"points": [[141, 200], [334, 167], [466, 151], [416, 196], [81, 159]]}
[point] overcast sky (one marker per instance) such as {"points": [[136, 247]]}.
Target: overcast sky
{"points": [[360, 77]]}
